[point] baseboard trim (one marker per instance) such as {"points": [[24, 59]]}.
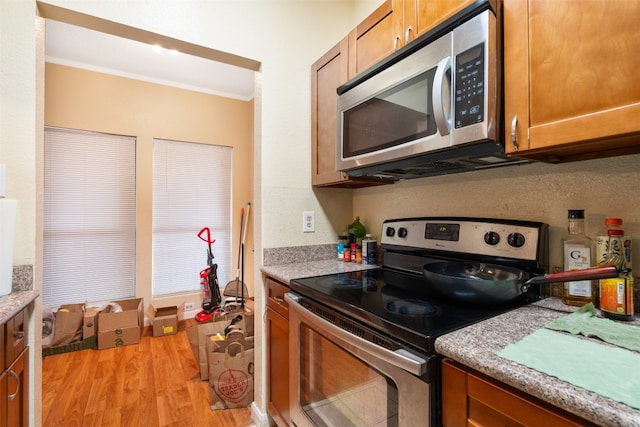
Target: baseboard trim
{"points": [[261, 418]]}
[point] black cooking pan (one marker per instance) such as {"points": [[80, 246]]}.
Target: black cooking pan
{"points": [[488, 283]]}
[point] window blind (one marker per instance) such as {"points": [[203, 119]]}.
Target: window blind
{"points": [[89, 217], [191, 190]]}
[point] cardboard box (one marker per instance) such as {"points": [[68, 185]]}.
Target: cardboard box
{"points": [[122, 328], [165, 319], [90, 323]]}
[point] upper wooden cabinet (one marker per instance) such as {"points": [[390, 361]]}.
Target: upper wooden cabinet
{"points": [[327, 73], [570, 76], [393, 25]]}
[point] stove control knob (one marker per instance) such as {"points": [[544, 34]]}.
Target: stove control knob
{"points": [[491, 238], [516, 240], [402, 232], [391, 231]]}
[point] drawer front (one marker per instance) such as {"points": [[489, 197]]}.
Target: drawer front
{"points": [[15, 338], [275, 297]]}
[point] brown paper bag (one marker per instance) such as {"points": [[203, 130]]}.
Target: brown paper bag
{"points": [[198, 336], [68, 324], [231, 369]]}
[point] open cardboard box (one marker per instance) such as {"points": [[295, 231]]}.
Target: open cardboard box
{"points": [[164, 319], [122, 328]]}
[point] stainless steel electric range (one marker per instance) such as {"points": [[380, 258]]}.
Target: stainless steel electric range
{"points": [[362, 343]]}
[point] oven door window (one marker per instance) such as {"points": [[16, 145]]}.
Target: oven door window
{"points": [[338, 389], [400, 114]]}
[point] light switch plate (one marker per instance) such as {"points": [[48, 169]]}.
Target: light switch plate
{"points": [[308, 221]]}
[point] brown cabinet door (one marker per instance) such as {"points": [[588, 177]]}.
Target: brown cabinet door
{"points": [[422, 15], [375, 38], [17, 391], [473, 399], [570, 78], [3, 398], [327, 74], [278, 367]]}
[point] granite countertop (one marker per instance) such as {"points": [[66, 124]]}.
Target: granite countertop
{"points": [[11, 304], [475, 346], [287, 272]]}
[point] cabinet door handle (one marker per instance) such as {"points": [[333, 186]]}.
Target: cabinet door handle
{"points": [[18, 335], [407, 34], [395, 42], [14, 375], [514, 135]]}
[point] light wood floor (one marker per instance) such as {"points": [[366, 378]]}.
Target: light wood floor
{"points": [[154, 383]]}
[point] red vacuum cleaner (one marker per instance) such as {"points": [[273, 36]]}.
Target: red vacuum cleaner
{"points": [[211, 297]]}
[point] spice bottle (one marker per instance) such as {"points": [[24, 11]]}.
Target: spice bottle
{"points": [[577, 251], [616, 294], [342, 241]]}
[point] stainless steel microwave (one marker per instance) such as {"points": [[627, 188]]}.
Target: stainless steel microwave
{"points": [[430, 110]]}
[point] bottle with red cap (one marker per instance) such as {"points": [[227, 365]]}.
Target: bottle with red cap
{"points": [[616, 294]]}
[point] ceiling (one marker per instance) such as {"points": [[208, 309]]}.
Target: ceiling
{"points": [[93, 50]]}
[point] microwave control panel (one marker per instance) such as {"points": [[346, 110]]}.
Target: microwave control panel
{"points": [[469, 87]]}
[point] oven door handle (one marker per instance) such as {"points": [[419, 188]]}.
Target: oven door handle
{"points": [[402, 359]]}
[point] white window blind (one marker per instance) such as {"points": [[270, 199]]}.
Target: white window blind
{"points": [[191, 190], [89, 217]]}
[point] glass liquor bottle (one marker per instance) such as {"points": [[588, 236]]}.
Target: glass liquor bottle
{"points": [[578, 254]]}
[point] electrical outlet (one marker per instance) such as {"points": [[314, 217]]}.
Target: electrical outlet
{"points": [[308, 221], [188, 306]]}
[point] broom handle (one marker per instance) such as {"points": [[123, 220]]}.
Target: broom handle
{"points": [[240, 245], [244, 235], [246, 224]]}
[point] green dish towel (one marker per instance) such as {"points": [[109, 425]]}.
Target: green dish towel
{"points": [[585, 322], [609, 371]]}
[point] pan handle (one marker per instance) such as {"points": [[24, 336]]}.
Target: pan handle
{"points": [[591, 273]]}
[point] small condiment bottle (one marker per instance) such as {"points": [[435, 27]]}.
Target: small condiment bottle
{"points": [[343, 240], [347, 253], [616, 294]]}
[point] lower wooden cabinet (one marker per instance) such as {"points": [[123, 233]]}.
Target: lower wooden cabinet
{"points": [[278, 352], [14, 378], [472, 399]]}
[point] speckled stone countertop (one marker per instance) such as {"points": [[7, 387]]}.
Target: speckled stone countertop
{"points": [[22, 293], [287, 272], [475, 346], [11, 304]]}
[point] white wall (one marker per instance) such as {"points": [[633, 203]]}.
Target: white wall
{"points": [[18, 120]]}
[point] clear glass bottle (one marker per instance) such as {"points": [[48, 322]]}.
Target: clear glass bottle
{"points": [[616, 294], [578, 254]]}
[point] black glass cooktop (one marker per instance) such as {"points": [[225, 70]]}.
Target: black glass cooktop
{"points": [[397, 304]]}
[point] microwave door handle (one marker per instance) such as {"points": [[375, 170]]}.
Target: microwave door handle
{"points": [[440, 110]]}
